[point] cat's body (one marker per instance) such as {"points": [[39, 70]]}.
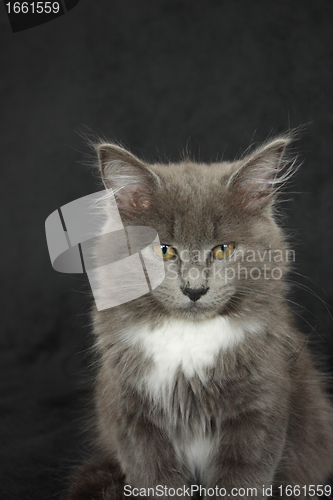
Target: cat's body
{"points": [[206, 380]]}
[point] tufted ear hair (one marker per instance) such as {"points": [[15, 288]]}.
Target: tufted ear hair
{"points": [[130, 179], [257, 178]]}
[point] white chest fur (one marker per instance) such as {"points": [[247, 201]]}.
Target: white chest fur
{"points": [[184, 345], [190, 347], [196, 453]]}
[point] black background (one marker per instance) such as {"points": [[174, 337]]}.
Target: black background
{"points": [[156, 75]]}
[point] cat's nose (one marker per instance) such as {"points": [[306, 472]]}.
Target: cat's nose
{"points": [[195, 293]]}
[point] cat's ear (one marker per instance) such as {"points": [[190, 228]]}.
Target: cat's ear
{"points": [[258, 176], [130, 179]]}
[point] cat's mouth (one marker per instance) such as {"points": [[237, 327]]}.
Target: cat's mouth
{"points": [[207, 305], [208, 309], [197, 309]]}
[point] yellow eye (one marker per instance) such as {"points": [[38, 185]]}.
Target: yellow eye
{"points": [[164, 251], [223, 251]]}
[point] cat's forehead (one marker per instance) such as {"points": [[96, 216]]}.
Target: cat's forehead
{"points": [[193, 202], [196, 175]]}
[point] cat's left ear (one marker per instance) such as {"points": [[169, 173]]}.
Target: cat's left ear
{"points": [[259, 175], [131, 180]]}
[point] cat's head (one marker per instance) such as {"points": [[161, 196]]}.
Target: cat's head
{"points": [[222, 248]]}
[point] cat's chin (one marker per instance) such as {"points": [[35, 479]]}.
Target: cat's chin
{"points": [[195, 311]]}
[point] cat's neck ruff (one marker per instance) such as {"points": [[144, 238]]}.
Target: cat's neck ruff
{"points": [[186, 346]]}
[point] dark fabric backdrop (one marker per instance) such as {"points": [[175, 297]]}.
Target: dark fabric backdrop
{"points": [[157, 75]]}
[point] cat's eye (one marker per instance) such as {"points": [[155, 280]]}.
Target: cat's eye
{"points": [[223, 251], [164, 251]]}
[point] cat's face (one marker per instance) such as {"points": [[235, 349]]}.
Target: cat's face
{"points": [[222, 250]]}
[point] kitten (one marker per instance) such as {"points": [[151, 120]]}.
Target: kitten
{"points": [[206, 381]]}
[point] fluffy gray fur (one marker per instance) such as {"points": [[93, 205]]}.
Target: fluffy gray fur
{"points": [[259, 403]]}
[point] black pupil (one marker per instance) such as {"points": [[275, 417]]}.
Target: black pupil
{"points": [[224, 248], [164, 249]]}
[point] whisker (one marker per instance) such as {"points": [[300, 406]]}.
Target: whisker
{"points": [[250, 292]]}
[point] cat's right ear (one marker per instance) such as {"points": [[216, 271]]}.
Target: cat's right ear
{"points": [[131, 180]]}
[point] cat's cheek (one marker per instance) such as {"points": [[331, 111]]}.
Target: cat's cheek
{"points": [[172, 272]]}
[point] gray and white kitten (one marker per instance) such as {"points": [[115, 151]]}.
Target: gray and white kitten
{"points": [[206, 379]]}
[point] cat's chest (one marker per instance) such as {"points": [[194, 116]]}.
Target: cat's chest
{"points": [[184, 346]]}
